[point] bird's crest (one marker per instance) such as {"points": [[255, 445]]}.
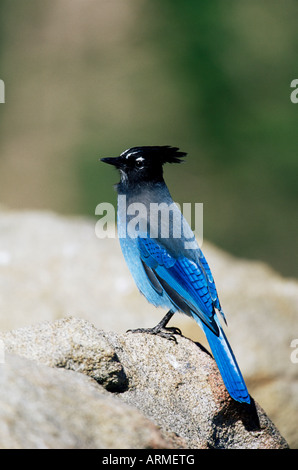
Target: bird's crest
{"points": [[162, 154]]}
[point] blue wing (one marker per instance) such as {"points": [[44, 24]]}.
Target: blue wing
{"points": [[183, 281], [191, 289]]}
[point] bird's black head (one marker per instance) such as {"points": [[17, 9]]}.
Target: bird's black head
{"points": [[139, 165]]}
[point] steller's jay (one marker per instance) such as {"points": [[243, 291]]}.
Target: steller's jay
{"points": [[164, 258]]}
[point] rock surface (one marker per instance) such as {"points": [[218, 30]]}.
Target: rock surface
{"points": [[44, 408], [53, 266], [141, 392]]}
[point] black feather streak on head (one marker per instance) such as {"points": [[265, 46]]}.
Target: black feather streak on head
{"points": [[143, 165]]}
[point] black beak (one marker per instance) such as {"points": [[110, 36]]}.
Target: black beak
{"points": [[112, 161]]}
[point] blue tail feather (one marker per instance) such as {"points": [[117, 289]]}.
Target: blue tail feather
{"points": [[227, 365]]}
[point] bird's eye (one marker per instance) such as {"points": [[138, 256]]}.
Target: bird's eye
{"points": [[139, 163]]}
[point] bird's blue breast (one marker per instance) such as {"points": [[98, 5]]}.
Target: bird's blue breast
{"points": [[132, 257]]}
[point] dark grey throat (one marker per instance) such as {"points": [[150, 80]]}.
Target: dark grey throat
{"points": [[134, 183]]}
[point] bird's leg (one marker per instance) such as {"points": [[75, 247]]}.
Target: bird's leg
{"points": [[161, 329]]}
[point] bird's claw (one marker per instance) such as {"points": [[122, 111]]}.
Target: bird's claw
{"points": [[165, 332]]}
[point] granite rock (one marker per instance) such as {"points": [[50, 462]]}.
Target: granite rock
{"points": [[176, 386], [47, 408]]}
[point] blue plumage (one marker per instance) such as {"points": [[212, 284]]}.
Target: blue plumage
{"points": [[190, 281], [166, 273]]}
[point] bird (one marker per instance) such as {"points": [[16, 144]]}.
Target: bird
{"points": [[166, 271]]}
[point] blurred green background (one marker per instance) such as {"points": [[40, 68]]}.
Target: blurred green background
{"points": [[91, 78]]}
